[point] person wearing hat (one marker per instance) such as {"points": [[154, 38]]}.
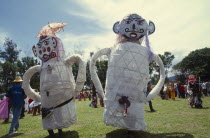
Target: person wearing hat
{"points": [[16, 94]]}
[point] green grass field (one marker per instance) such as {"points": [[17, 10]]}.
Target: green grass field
{"points": [[172, 119]]}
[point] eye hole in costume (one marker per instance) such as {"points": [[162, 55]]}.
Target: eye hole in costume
{"points": [[44, 49], [127, 21], [40, 52], [126, 30], [140, 22], [48, 49], [141, 30], [39, 45], [46, 42]]}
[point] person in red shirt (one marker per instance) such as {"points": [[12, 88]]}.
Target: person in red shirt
{"points": [[29, 109], [182, 89]]}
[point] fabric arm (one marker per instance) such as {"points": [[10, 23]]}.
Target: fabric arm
{"points": [[26, 83], [81, 77], [161, 81], [94, 76]]}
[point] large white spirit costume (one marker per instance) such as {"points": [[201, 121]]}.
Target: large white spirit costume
{"points": [[57, 85], [128, 74]]}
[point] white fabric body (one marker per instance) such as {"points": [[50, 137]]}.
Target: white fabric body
{"points": [[61, 117], [127, 75], [34, 104], [130, 65], [57, 85], [56, 78]]}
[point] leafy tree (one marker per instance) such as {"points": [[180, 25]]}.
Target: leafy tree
{"points": [[10, 52], [167, 59], [24, 64], [9, 67], [88, 82], [102, 66], [197, 63], [7, 75], [75, 68]]}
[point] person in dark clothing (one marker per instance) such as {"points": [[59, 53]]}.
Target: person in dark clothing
{"points": [[162, 95], [178, 88], [22, 115], [16, 94], [182, 90], [94, 100], [149, 88], [196, 95]]}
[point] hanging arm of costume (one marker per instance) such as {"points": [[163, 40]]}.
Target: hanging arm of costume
{"points": [[26, 83], [161, 81], [94, 76], [81, 77]]}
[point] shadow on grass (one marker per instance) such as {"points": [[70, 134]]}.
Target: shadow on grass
{"points": [[4, 123], [201, 108], [14, 135], [67, 134], [122, 133], [205, 108], [150, 111]]}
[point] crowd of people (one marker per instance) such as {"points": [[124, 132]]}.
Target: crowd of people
{"points": [[93, 98], [18, 103], [191, 90], [170, 90]]}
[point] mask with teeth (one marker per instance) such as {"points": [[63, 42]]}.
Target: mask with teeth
{"points": [[133, 27]]}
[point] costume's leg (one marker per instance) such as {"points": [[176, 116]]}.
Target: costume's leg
{"points": [[60, 132], [150, 106], [131, 133], [38, 109], [51, 133], [29, 109], [35, 109]]}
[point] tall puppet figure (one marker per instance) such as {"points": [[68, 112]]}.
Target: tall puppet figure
{"points": [[128, 74], [57, 85]]}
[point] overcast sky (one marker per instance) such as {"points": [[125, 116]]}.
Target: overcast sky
{"points": [[181, 25]]}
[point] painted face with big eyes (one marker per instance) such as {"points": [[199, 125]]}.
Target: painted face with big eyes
{"points": [[45, 48], [133, 27]]}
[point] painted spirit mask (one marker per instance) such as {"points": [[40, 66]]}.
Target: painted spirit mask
{"points": [[133, 27], [45, 48]]}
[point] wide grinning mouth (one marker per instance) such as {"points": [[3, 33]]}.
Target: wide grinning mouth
{"points": [[133, 35]]}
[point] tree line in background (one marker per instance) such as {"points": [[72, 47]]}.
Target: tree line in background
{"points": [[11, 65], [197, 63]]}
